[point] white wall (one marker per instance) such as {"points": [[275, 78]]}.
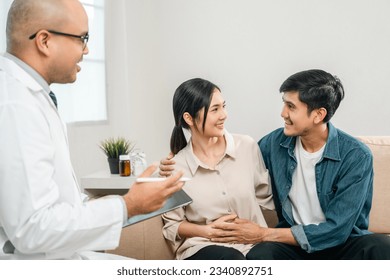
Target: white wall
{"points": [[248, 48]]}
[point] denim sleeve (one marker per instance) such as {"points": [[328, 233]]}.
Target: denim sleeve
{"points": [[263, 145], [300, 237], [346, 206], [266, 145]]}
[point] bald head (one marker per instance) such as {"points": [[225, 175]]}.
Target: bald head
{"points": [[26, 17]]}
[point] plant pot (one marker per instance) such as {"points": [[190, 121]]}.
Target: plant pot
{"points": [[113, 163]]}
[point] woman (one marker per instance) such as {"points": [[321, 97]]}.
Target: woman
{"points": [[229, 179]]}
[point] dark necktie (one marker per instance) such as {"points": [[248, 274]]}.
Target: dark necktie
{"points": [[53, 97]]}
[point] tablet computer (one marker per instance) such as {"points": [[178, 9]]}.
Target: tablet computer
{"points": [[178, 199]]}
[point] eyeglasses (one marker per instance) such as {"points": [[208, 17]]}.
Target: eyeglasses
{"points": [[84, 38]]}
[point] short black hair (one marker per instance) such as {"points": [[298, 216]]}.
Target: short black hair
{"points": [[317, 89]]}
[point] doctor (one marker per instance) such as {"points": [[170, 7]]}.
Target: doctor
{"points": [[43, 214]]}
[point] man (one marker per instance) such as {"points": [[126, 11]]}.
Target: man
{"points": [[43, 214], [321, 179]]}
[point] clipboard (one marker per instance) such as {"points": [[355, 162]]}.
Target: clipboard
{"points": [[177, 200]]}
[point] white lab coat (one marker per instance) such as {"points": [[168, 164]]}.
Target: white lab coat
{"points": [[42, 210]]}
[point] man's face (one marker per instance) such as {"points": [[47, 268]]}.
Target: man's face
{"points": [[297, 121], [69, 50]]}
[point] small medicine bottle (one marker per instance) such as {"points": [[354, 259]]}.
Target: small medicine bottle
{"points": [[124, 165]]}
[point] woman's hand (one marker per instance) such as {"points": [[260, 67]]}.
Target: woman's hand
{"points": [[188, 230], [215, 229], [239, 231]]}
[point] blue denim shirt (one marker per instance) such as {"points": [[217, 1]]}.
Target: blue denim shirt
{"points": [[344, 178]]}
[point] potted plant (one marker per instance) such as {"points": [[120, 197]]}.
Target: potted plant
{"points": [[113, 148]]}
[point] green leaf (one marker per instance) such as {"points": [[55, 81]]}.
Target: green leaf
{"points": [[114, 147]]}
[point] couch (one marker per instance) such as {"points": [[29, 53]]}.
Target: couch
{"points": [[145, 240]]}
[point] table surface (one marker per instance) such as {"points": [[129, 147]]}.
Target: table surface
{"points": [[102, 183]]}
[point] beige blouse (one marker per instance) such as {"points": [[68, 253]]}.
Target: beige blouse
{"points": [[238, 184]]}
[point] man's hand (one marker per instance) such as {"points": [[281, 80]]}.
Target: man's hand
{"points": [[209, 231], [247, 232], [239, 231], [215, 229], [147, 197], [167, 166]]}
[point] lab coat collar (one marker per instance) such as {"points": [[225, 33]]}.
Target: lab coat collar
{"points": [[18, 73]]}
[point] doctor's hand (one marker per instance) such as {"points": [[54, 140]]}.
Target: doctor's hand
{"points": [[167, 166], [147, 197]]}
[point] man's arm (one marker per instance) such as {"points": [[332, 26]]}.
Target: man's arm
{"points": [[247, 232], [348, 207]]}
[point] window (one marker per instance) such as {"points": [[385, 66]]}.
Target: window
{"points": [[85, 100], [4, 7]]}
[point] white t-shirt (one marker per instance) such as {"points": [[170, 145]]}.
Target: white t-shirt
{"points": [[303, 194]]}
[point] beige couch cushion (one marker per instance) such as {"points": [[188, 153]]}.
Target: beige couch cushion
{"points": [[380, 211], [144, 241]]}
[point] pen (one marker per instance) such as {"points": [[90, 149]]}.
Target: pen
{"points": [[158, 179]]}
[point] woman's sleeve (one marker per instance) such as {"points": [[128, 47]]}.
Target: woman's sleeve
{"points": [[172, 221], [262, 181]]}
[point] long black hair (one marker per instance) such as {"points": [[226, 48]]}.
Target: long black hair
{"points": [[191, 97]]}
